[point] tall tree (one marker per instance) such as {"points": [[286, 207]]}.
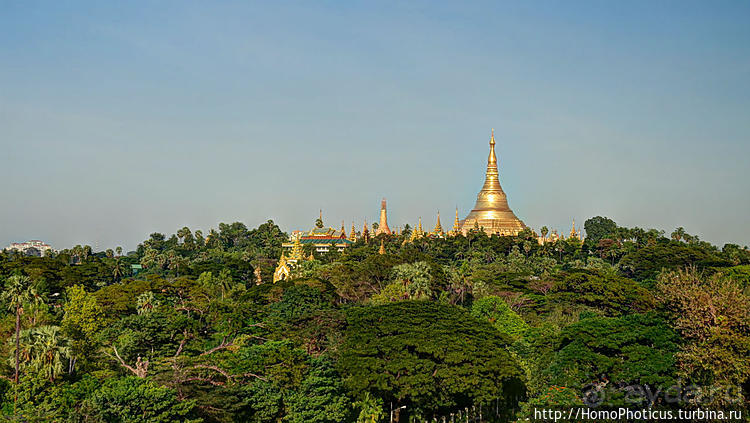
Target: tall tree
{"points": [[598, 228], [49, 348], [82, 320], [18, 291], [432, 358]]}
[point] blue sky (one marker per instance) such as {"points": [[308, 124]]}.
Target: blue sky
{"points": [[118, 119]]}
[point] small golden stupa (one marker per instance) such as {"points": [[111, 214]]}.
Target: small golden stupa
{"points": [[491, 212]]}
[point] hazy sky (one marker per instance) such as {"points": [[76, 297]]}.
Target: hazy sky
{"points": [[118, 119]]}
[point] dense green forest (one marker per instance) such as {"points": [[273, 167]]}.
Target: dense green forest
{"points": [[467, 327]]}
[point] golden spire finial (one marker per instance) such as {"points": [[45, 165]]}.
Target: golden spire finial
{"points": [[420, 224], [365, 232], [382, 248], [353, 234], [456, 224], [492, 159], [383, 225], [438, 230], [296, 253]]}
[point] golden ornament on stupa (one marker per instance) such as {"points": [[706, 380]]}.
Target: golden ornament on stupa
{"points": [[491, 212]]}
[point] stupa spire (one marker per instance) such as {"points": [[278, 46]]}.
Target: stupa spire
{"points": [[438, 230], [456, 224], [383, 225], [353, 234], [491, 211], [296, 253], [365, 232]]}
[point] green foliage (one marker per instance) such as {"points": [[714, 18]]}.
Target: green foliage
{"points": [[416, 278], [82, 321], [261, 402], [131, 399], [321, 397], [554, 398], [430, 357], [346, 338], [395, 291], [297, 301], [614, 295], [713, 314], [633, 349], [741, 274], [45, 351], [370, 409], [147, 303], [497, 312], [598, 228], [647, 262]]}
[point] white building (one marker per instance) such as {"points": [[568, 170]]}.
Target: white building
{"points": [[31, 248]]}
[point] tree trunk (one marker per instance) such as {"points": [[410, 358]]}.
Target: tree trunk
{"points": [[18, 339]]}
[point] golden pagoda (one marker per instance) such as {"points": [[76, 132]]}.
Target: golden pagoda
{"points": [[438, 229], [575, 234], [491, 212], [417, 232], [456, 225], [296, 254], [383, 225], [353, 234], [381, 251], [365, 233]]}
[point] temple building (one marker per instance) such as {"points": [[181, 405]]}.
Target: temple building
{"points": [[491, 212], [575, 234], [557, 236], [417, 232], [285, 266], [383, 225], [322, 239]]}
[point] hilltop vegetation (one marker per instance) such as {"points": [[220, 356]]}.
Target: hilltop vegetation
{"points": [[477, 326]]}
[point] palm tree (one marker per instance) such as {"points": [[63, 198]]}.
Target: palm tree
{"points": [[48, 350], [86, 252], [18, 290], [118, 269], [225, 282], [149, 258], [527, 247], [24, 352], [77, 252], [146, 303], [118, 250], [416, 278]]}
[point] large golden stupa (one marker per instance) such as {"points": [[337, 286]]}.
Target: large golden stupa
{"points": [[491, 212]]}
